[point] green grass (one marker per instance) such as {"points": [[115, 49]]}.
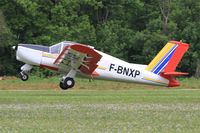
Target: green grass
{"points": [[35, 83], [98, 106]]}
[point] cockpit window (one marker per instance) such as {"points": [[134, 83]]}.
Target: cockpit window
{"points": [[36, 47], [55, 49]]}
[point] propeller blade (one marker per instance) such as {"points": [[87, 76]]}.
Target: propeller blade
{"points": [[15, 47]]}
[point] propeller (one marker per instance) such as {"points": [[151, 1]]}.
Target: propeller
{"points": [[15, 47]]}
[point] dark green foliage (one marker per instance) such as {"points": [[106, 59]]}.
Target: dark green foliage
{"points": [[133, 30], [7, 61]]}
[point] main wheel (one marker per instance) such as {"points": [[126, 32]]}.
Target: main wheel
{"points": [[62, 86], [23, 76], [67, 83]]}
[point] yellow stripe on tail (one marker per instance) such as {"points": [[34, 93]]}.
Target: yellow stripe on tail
{"points": [[160, 56]]}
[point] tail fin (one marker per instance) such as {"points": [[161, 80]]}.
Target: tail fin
{"points": [[168, 58]]}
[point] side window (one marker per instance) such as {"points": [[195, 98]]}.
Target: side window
{"points": [[55, 49]]}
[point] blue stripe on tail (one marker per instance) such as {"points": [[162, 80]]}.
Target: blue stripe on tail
{"points": [[164, 61]]}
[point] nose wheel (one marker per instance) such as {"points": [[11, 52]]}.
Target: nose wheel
{"points": [[23, 76], [67, 83], [24, 70]]}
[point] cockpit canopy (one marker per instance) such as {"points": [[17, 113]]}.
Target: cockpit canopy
{"points": [[54, 49], [57, 48]]}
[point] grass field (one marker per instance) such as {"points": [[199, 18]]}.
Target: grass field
{"points": [[98, 106]]}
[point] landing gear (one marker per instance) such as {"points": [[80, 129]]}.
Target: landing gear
{"points": [[23, 76], [67, 83], [24, 73]]}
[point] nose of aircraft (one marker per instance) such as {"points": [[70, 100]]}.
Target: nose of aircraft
{"points": [[28, 55], [15, 47]]}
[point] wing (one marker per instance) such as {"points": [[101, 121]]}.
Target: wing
{"points": [[79, 57]]}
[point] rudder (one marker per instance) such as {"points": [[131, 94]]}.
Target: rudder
{"points": [[168, 58]]}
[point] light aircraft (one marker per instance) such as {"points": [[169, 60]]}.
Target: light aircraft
{"points": [[71, 58]]}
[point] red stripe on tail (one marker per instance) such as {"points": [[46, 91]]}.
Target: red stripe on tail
{"points": [[178, 54]]}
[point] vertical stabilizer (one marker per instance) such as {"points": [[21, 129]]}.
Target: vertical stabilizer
{"points": [[168, 58]]}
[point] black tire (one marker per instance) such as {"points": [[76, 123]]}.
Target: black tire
{"points": [[67, 83], [23, 76], [62, 86]]}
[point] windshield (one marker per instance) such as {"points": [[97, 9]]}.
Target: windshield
{"points": [[55, 49], [36, 47]]}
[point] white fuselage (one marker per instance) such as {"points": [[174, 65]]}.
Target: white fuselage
{"points": [[109, 67], [115, 69]]}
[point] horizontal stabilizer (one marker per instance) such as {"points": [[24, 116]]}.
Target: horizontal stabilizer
{"points": [[171, 77], [174, 73]]}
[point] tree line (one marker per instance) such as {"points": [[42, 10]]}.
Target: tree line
{"points": [[132, 30]]}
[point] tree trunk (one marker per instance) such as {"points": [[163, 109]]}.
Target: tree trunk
{"points": [[165, 6], [197, 73]]}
